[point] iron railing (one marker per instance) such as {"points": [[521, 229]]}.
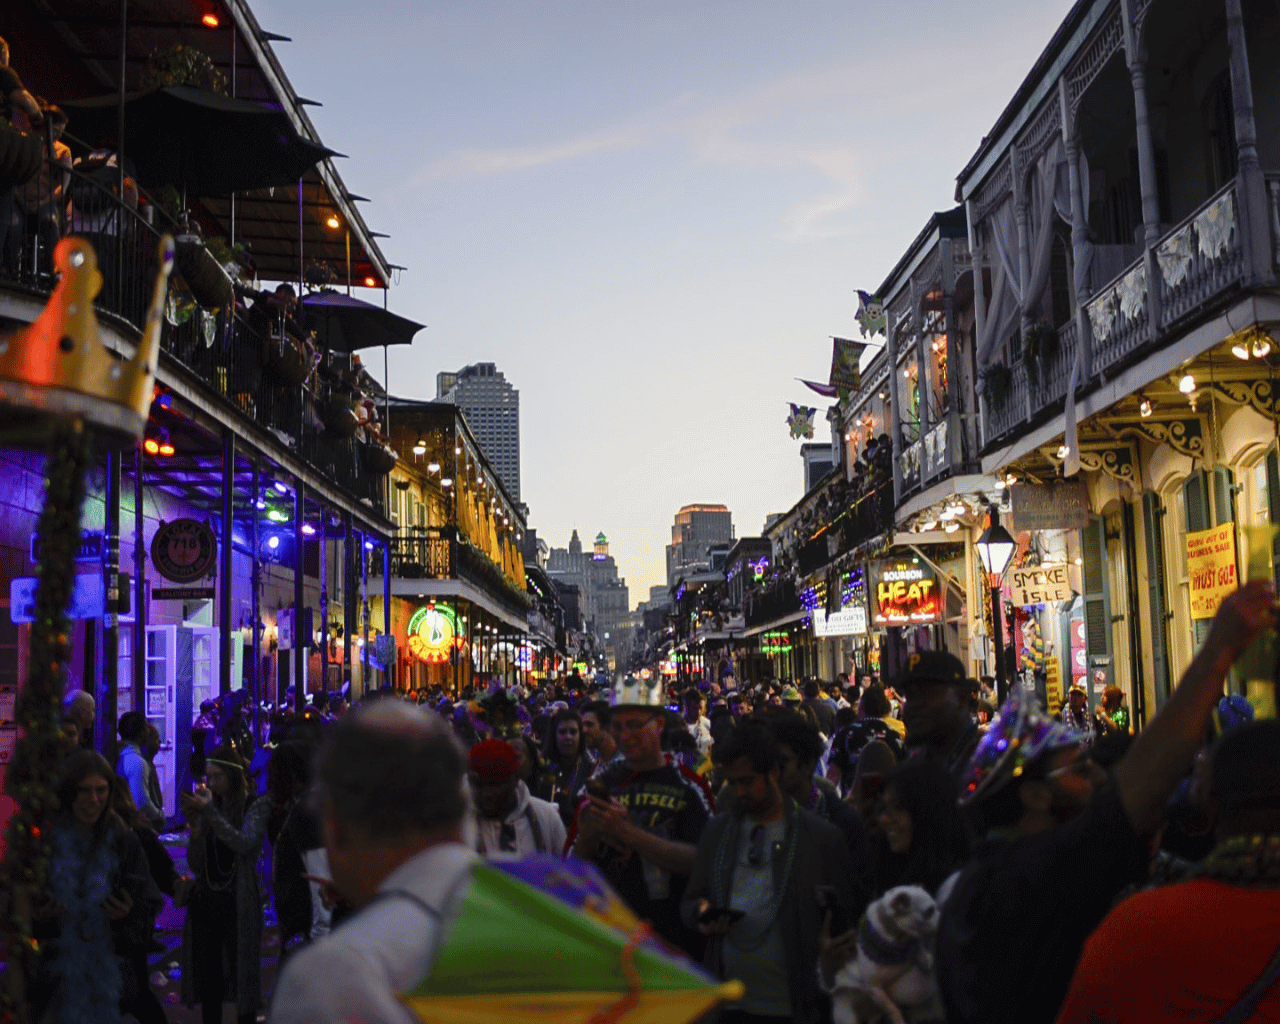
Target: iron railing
{"points": [[239, 356]]}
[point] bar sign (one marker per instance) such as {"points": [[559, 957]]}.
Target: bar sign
{"points": [[90, 550]]}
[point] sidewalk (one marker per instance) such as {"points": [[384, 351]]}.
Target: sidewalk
{"points": [[166, 968]]}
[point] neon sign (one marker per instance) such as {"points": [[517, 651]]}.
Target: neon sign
{"points": [[906, 593], [777, 642], [433, 633]]}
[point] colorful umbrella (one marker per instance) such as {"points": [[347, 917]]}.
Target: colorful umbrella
{"points": [[546, 941]]}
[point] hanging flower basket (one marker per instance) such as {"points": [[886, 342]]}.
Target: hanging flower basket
{"points": [[286, 361], [378, 458], [20, 156], [1039, 347], [994, 381], [205, 278], [338, 417]]}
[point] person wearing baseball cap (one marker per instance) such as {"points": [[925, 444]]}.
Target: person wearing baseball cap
{"points": [[641, 820], [509, 821], [937, 708]]}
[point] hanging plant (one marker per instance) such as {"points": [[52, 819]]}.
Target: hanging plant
{"points": [[1039, 346], [994, 381], [182, 65]]}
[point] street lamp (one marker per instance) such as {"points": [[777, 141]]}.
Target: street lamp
{"points": [[995, 548]]}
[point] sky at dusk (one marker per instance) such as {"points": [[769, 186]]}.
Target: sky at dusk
{"points": [[652, 215]]}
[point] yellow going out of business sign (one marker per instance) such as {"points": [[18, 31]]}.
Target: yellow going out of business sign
{"points": [[1211, 568]]}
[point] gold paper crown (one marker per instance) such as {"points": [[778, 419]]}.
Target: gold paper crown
{"points": [[59, 366]]}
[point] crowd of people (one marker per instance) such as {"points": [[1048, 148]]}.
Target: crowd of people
{"points": [[850, 852]]}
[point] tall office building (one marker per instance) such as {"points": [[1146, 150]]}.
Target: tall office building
{"points": [[695, 530], [492, 408]]}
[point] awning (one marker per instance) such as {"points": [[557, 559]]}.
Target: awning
{"points": [[768, 627]]}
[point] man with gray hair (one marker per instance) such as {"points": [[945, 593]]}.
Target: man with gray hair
{"points": [[390, 782]]}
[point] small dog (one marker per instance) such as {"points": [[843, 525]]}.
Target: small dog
{"points": [[892, 971]]}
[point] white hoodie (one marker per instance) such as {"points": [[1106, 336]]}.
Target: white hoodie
{"points": [[547, 815]]}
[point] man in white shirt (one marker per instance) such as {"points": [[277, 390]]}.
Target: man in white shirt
{"points": [[136, 770], [391, 781], [509, 820]]}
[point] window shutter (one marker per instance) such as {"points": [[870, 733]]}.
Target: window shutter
{"points": [[1097, 603], [1273, 507], [1152, 511]]}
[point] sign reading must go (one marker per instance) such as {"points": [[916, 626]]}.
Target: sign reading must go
{"points": [[905, 592]]}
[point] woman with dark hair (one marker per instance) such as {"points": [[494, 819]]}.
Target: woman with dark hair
{"points": [[137, 998], [99, 899], [922, 838], [531, 772], [224, 918], [568, 766]]}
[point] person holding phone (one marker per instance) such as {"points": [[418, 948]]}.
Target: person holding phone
{"points": [[99, 900], [224, 918], [764, 878]]}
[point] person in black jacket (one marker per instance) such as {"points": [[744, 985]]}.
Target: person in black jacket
{"points": [[298, 845], [137, 997], [759, 874], [799, 748]]}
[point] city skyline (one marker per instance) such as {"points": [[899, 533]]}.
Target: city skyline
{"points": [[652, 238]]}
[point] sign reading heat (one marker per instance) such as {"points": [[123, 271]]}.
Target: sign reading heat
{"points": [[905, 593], [433, 633]]}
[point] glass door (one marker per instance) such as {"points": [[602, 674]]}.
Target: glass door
{"points": [[204, 665], [159, 686]]}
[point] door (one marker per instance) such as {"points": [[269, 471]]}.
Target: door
{"points": [[125, 697], [160, 706], [205, 643]]}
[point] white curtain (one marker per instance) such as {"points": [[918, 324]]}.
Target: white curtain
{"points": [[1002, 309]]}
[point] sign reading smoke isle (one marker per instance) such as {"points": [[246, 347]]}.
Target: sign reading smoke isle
{"points": [[1040, 585], [1211, 568], [904, 592]]}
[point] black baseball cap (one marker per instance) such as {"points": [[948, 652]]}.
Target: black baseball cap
{"points": [[932, 667]]}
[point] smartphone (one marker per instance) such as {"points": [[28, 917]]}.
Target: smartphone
{"points": [[828, 901]]}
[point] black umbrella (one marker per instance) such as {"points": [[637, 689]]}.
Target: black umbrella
{"points": [[344, 324], [194, 139]]}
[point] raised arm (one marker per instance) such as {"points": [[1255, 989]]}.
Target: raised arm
{"points": [[249, 836], [1162, 753]]}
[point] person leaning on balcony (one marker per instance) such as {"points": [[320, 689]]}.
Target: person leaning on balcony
{"points": [[18, 108]]}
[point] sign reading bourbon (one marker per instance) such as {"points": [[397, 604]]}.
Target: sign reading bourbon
{"points": [[184, 550], [904, 592]]}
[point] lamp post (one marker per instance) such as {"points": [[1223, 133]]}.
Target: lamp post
{"points": [[995, 548]]}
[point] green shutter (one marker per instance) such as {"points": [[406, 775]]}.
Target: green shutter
{"points": [[1273, 508], [1152, 515], [1097, 603]]}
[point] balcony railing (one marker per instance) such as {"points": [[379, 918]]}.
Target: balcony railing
{"points": [[771, 603], [1190, 266], [437, 553], [238, 356]]}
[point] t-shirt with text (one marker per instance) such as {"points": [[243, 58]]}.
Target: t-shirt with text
{"points": [[672, 803]]}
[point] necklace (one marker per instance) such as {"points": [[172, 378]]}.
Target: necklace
{"points": [[1243, 860], [226, 874]]}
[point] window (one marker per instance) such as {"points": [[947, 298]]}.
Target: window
{"points": [[1221, 123]]}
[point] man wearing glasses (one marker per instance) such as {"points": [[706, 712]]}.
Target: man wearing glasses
{"points": [[765, 876], [641, 820]]}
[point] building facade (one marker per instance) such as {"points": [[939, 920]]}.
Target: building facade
{"points": [[695, 530], [492, 408]]}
